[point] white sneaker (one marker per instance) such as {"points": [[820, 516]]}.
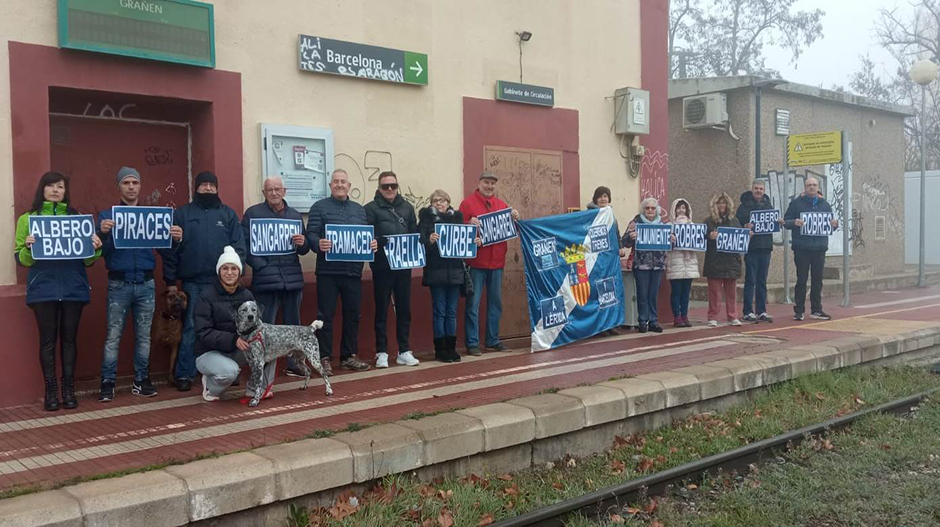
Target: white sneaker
{"points": [[405, 358], [713, 323], [381, 360], [205, 392], [735, 322]]}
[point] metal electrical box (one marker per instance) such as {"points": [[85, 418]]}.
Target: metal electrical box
{"points": [[632, 114]]}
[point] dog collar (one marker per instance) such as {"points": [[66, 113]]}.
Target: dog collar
{"points": [[169, 316]]}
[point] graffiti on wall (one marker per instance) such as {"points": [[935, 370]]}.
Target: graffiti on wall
{"points": [[654, 173], [875, 199], [364, 177]]}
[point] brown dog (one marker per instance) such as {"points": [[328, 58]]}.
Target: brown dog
{"points": [[167, 328]]}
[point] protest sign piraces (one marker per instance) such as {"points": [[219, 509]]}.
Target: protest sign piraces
{"points": [[733, 240], [404, 251], [456, 240], [496, 227], [141, 227], [272, 236], [653, 237], [816, 223], [62, 237], [351, 243]]}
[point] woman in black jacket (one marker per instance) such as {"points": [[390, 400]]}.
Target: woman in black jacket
{"points": [[444, 276]]}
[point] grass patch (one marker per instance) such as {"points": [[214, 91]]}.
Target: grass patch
{"points": [[320, 434], [355, 427], [478, 499], [550, 390]]}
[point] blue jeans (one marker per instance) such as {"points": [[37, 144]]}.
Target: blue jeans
{"points": [[288, 303], [647, 291], [756, 265], [444, 310], [139, 300], [185, 359], [680, 289], [493, 280]]}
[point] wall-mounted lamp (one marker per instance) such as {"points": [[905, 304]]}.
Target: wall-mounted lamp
{"points": [[524, 36]]}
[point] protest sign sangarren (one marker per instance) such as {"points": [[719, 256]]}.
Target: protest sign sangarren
{"points": [[141, 227], [404, 251], [351, 243], [732, 240], [497, 227], [62, 237], [456, 240], [272, 236]]}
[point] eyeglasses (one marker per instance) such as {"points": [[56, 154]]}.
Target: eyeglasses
{"points": [[389, 186], [439, 200], [274, 190], [649, 208]]}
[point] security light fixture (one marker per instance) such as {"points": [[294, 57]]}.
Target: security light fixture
{"points": [[923, 72], [524, 36]]}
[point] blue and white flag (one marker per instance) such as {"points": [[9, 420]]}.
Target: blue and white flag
{"points": [[816, 223], [733, 240], [272, 236], [496, 227], [351, 243], [572, 275], [404, 251], [141, 227], [690, 236], [653, 237], [62, 237], [456, 240], [765, 221]]}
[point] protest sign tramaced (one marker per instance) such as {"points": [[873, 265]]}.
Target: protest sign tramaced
{"points": [[404, 251], [142, 227], [496, 227], [62, 237], [351, 243], [272, 236], [690, 236], [653, 237], [765, 221], [456, 240], [733, 240], [816, 223]]}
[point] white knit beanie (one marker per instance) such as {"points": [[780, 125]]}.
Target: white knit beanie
{"points": [[229, 256]]}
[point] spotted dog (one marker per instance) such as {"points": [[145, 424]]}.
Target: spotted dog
{"points": [[267, 342]]}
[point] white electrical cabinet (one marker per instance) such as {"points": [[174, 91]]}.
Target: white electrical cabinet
{"points": [[303, 157], [632, 115]]}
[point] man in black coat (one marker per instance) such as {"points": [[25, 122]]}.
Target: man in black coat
{"points": [[757, 259], [335, 278], [277, 282], [390, 214], [210, 226], [809, 252]]}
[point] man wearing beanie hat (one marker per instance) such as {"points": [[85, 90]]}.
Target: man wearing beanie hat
{"points": [[210, 226], [219, 350], [130, 290]]}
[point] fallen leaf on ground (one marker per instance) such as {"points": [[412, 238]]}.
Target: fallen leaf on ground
{"points": [[645, 465], [558, 485], [617, 466], [616, 518], [571, 463], [656, 524], [620, 441], [858, 400], [820, 396], [651, 506], [445, 519], [691, 486], [632, 510], [427, 523], [505, 477], [511, 491], [485, 520]]}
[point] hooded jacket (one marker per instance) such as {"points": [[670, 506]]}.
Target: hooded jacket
{"points": [[645, 260], [206, 232], [721, 265], [800, 204], [681, 265], [759, 242], [439, 271], [274, 273], [491, 256], [389, 217]]}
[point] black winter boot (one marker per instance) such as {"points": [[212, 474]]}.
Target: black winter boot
{"points": [[52, 395], [450, 344], [68, 393], [440, 351]]}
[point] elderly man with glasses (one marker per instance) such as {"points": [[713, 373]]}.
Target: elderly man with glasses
{"points": [[277, 282]]}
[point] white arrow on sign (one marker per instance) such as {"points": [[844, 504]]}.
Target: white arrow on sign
{"points": [[417, 69]]}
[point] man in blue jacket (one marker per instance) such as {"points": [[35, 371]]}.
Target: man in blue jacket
{"points": [[757, 259], [337, 279], [809, 252], [130, 288], [210, 226], [277, 282]]}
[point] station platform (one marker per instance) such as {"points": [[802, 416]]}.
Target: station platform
{"points": [[44, 449]]}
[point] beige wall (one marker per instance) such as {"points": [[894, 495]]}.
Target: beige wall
{"points": [[878, 146], [585, 50]]}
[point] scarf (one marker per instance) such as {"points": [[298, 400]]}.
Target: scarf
{"points": [[656, 221], [206, 201]]}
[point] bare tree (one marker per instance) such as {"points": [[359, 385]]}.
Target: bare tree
{"points": [[727, 37]]}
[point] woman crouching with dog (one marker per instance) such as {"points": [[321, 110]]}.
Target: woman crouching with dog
{"points": [[220, 352], [56, 290]]}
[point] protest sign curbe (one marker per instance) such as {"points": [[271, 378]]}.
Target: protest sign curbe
{"points": [[765, 221], [62, 237], [690, 236], [732, 240], [272, 236], [456, 240], [351, 243], [141, 227], [816, 223], [497, 227], [653, 237], [404, 251]]}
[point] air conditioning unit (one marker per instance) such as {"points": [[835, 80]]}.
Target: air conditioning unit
{"points": [[704, 111]]}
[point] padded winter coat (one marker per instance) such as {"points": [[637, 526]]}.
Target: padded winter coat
{"points": [[214, 318], [134, 263], [491, 256], [274, 273], [439, 271], [643, 260], [334, 212], [206, 232], [680, 264], [52, 280], [759, 242], [721, 265], [395, 217], [800, 204]]}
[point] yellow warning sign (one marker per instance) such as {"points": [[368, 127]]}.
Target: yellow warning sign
{"points": [[822, 148]]}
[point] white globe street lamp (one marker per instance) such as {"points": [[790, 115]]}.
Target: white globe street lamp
{"points": [[923, 72]]}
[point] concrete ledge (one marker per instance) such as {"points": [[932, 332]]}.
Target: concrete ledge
{"points": [[382, 450], [872, 348], [850, 349], [776, 368], [308, 466], [447, 436], [601, 404], [55, 508], [504, 424], [747, 374], [158, 497], [226, 484], [802, 362], [642, 396], [681, 388], [713, 381], [554, 414]]}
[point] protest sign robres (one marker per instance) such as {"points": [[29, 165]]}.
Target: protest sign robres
{"points": [[497, 227], [62, 237], [141, 227], [690, 236], [456, 240], [404, 251], [732, 240], [351, 243], [272, 236], [816, 223]]}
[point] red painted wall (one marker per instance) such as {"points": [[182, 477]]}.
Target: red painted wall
{"points": [[654, 72]]}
